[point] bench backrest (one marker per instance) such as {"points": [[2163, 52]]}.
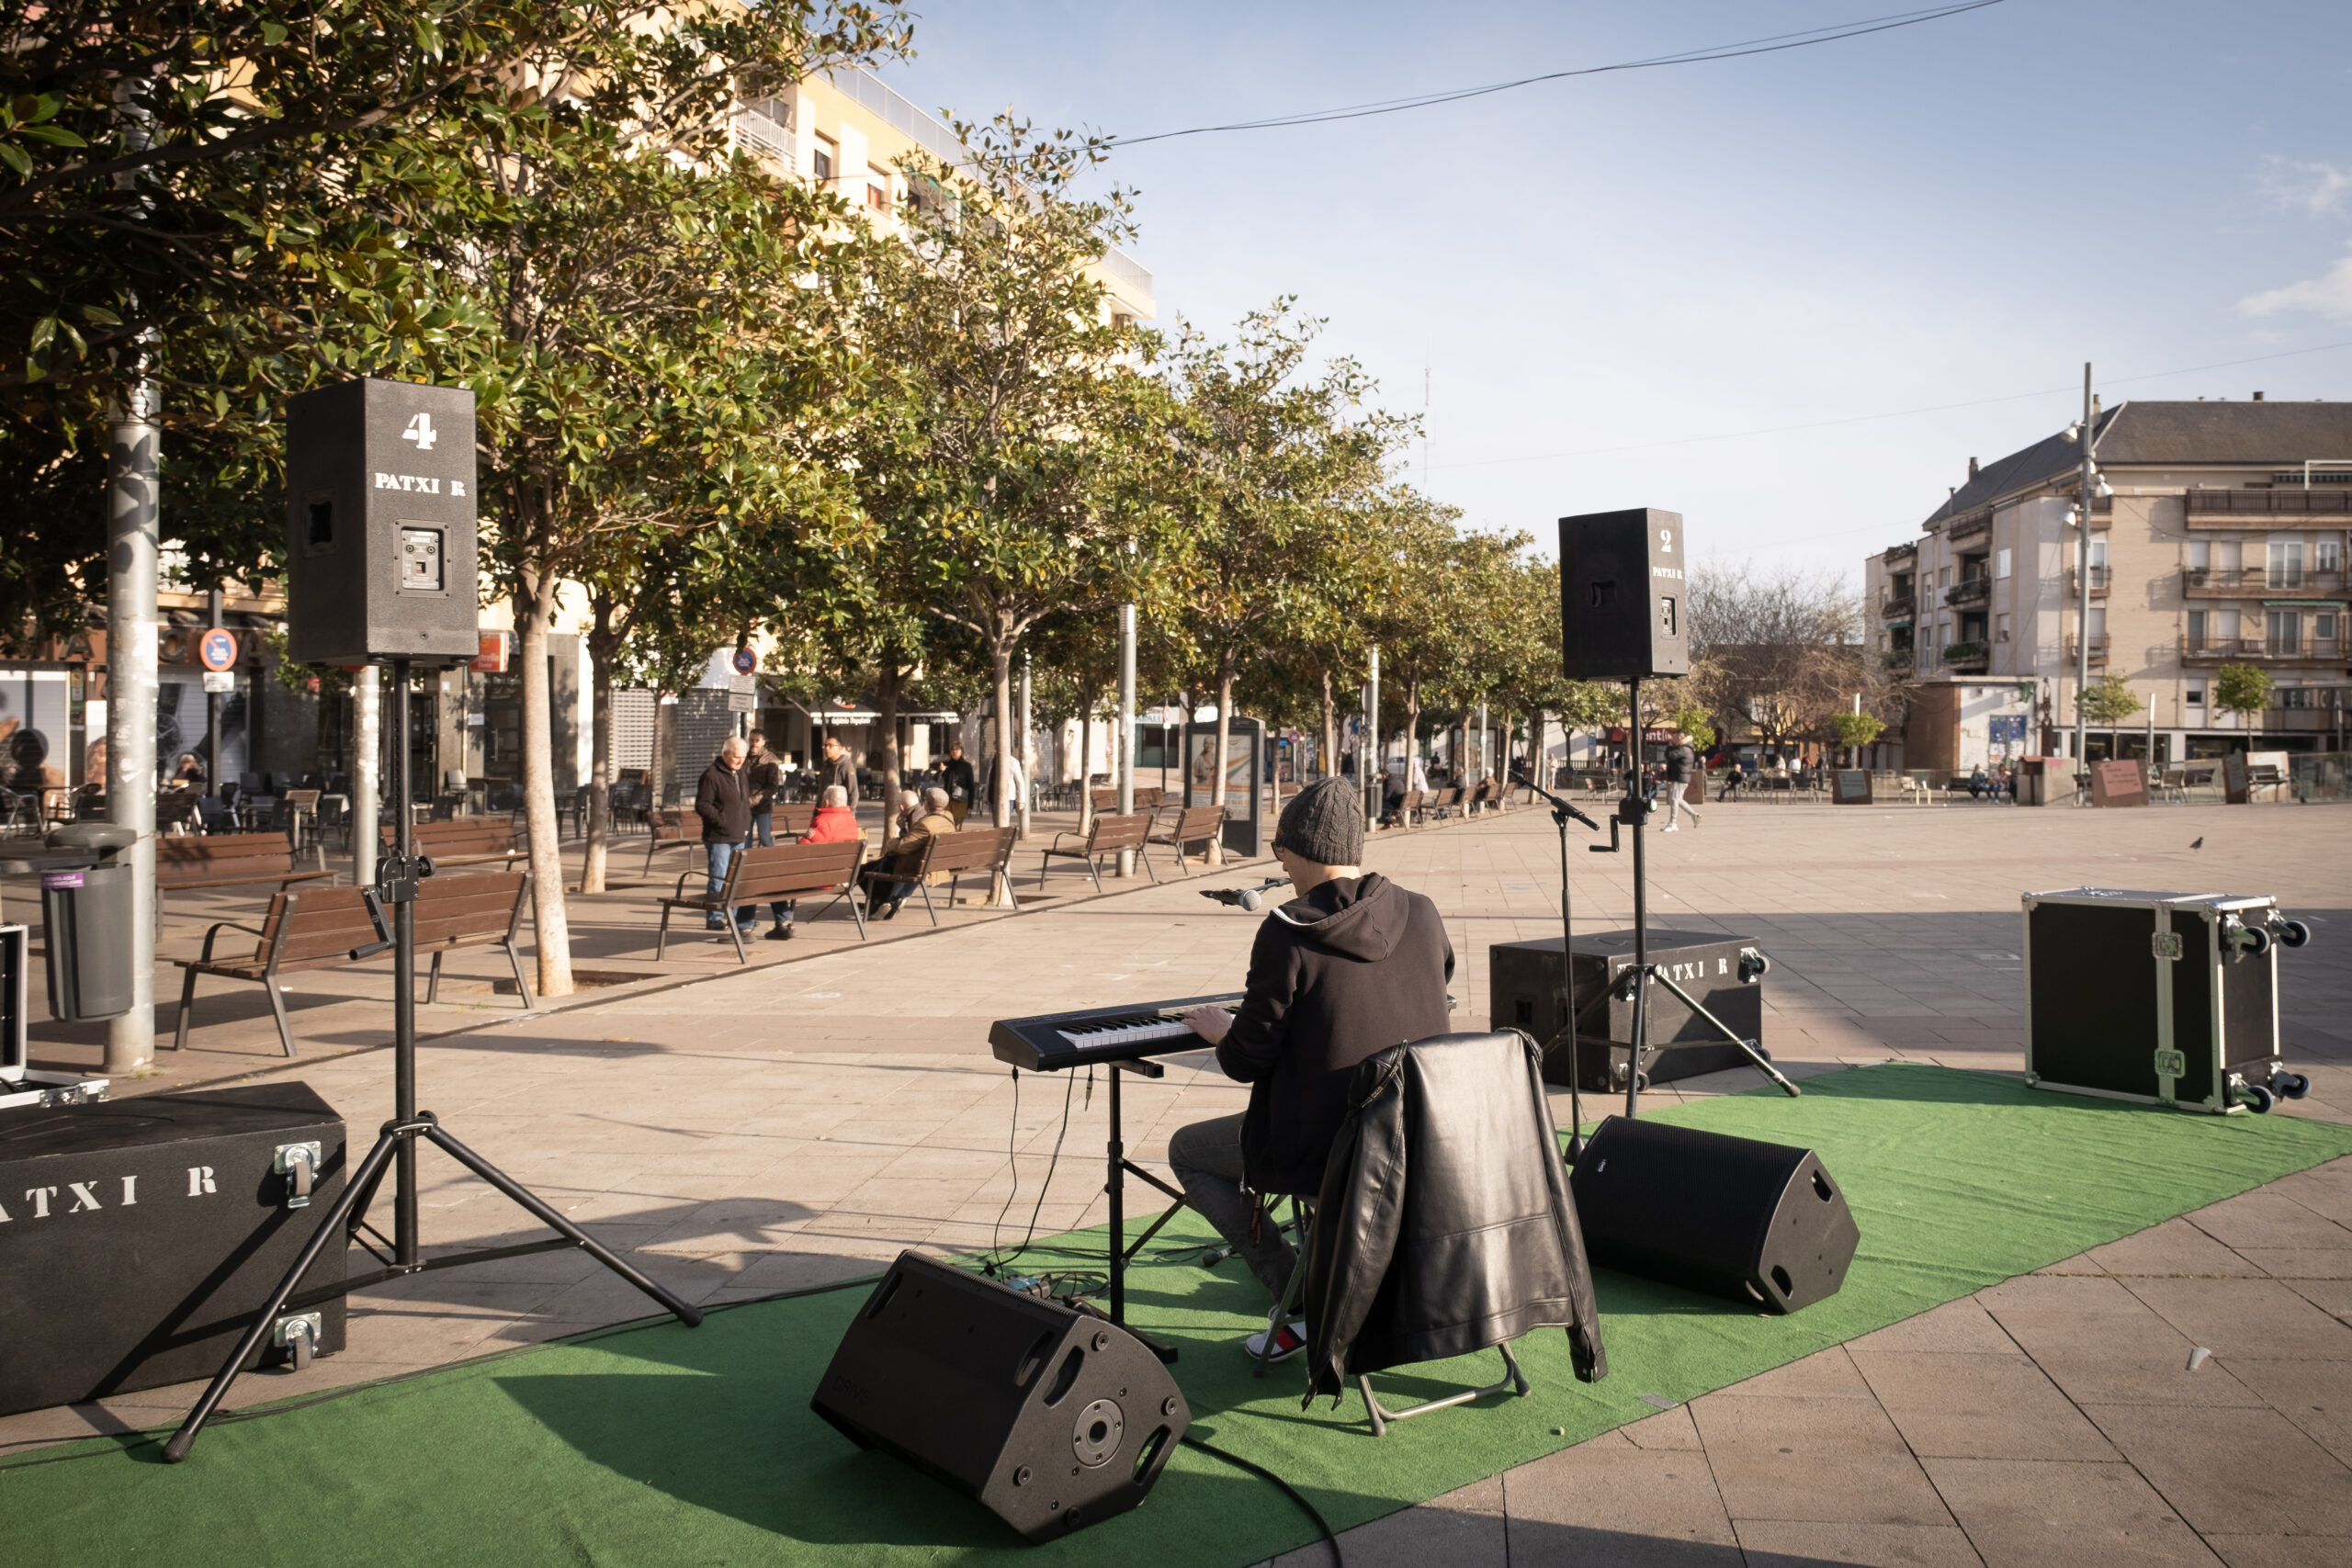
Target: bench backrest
{"points": [[668, 826], [1195, 823], [328, 922], [1484, 793], [788, 869], [1110, 833], [259, 855], [983, 848], [794, 819], [1450, 796], [480, 836], [1145, 799]]}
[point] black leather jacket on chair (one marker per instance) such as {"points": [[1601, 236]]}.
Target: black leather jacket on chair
{"points": [[1444, 1225]]}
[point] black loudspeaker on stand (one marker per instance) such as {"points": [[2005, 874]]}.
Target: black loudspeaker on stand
{"points": [[1050, 1417], [372, 582]]}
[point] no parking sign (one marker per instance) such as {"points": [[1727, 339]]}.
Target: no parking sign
{"points": [[217, 650]]}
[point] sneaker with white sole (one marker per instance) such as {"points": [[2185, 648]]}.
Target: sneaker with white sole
{"points": [[1288, 1342]]}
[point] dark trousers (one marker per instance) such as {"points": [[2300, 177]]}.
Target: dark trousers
{"points": [[764, 834], [1207, 1159]]}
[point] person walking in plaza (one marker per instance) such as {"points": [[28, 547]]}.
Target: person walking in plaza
{"points": [[956, 778], [905, 852], [1681, 761], [723, 804], [1353, 965], [762, 781]]}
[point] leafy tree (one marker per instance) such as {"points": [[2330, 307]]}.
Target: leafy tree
{"points": [[1015, 465], [2241, 689], [2108, 701], [1855, 730], [1276, 457]]}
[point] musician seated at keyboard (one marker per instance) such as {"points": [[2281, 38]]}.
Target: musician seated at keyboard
{"points": [[1352, 964]]}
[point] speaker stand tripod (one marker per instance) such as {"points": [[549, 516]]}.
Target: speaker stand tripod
{"points": [[397, 876], [1633, 811]]}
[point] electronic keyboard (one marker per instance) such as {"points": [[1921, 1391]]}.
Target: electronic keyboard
{"points": [[1054, 1041]]}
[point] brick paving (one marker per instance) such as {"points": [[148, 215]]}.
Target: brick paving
{"points": [[804, 1118]]}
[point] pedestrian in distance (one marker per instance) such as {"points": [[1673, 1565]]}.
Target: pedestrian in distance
{"points": [[956, 778], [1680, 761], [763, 781], [1979, 782], [723, 801], [838, 769]]}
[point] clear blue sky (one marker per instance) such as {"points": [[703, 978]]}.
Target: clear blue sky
{"points": [[1596, 273]]}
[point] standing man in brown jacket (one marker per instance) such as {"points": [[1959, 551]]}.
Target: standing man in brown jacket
{"points": [[723, 804]]}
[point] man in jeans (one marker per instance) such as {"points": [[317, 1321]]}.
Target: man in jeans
{"points": [[1350, 967], [723, 804], [1681, 761]]}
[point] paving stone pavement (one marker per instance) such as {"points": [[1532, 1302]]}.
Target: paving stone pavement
{"points": [[801, 1121]]}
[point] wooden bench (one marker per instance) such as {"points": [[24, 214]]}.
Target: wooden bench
{"points": [[1407, 803], [1191, 825], [1108, 836], [988, 850], [231, 860], [1485, 794], [1442, 802], [1145, 799], [757, 875], [669, 828], [318, 928], [472, 841]]}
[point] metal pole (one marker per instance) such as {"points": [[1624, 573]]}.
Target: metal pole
{"points": [[1124, 734], [212, 709], [1638, 809], [134, 442], [405, 1240], [2083, 590], [366, 772], [1372, 748]]}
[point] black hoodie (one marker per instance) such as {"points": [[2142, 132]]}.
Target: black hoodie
{"points": [[1353, 967]]}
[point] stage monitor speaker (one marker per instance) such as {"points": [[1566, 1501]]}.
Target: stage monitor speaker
{"points": [[1621, 597], [1760, 1223], [1049, 1418], [380, 519]]}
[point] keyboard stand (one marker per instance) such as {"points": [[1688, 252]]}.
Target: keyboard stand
{"points": [[1116, 1187]]}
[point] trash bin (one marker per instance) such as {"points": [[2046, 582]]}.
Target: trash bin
{"points": [[86, 916]]}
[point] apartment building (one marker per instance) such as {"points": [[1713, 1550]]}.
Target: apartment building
{"points": [[2219, 537]]}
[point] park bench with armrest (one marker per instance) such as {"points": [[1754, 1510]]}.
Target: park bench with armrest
{"points": [[1406, 804], [231, 860], [672, 826], [757, 875], [1191, 825], [988, 850], [318, 928], [1108, 836], [1442, 803], [1145, 799]]}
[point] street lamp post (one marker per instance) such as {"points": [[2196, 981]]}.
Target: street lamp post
{"points": [[1124, 734], [2088, 477]]}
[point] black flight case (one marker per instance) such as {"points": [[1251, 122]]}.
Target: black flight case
{"points": [[138, 1237], [2169, 998]]}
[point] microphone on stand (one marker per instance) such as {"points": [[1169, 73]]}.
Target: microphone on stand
{"points": [[1560, 803], [1249, 898]]}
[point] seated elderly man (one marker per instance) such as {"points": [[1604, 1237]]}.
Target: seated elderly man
{"points": [[905, 852]]}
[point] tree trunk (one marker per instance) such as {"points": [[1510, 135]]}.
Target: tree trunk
{"points": [[1085, 761], [1412, 729], [1331, 727], [1001, 770], [533, 607], [662, 770], [1225, 673], [889, 680], [603, 648]]}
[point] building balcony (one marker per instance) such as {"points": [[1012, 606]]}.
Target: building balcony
{"points": [[2075, 583], [1969, 527], [2097, 650], [1967, 658], [1901, 553], [2217, 508], [1897, 606], [1969, 591], [1899, 660], [2252, 581], [2261, 650]]}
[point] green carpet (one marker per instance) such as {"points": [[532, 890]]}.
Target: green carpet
{"points": [[669, 1446]]}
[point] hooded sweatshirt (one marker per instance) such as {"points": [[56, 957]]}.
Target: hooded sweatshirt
{"points": [[1353, 967]]}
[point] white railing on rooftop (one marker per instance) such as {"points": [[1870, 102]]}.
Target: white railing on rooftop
{"points": [[754, 127]]}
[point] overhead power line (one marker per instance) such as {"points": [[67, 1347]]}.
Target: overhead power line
{"points": [[1771, 45], [1891, 413]]}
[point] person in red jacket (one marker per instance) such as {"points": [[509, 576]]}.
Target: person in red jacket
{"points": [[834, 823]]}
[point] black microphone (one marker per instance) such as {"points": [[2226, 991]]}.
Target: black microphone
{"points": [[1249, 898], [1561, 804]]}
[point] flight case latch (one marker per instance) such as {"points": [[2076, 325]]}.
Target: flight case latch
{"points": [[2165, 944]]}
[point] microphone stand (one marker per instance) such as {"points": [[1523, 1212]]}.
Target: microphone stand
{"points": [[1563, 813]]}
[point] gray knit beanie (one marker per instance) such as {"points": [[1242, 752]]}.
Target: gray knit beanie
{"points": [[1323, 823]]}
